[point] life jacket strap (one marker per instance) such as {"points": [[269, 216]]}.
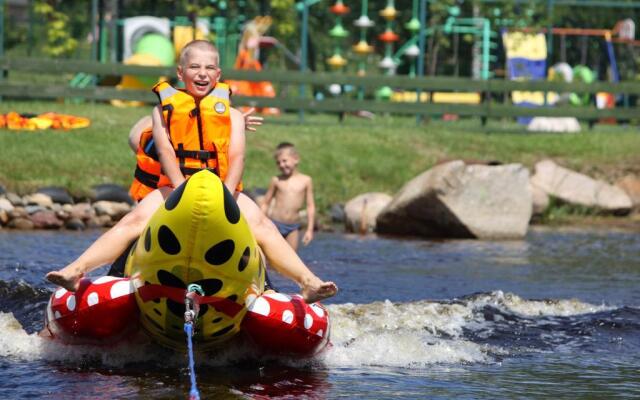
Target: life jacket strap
{"points": [[146, 178], [186, 171], [202, 155]]}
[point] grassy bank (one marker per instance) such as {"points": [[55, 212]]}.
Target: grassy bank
{"points": [[344, 159]]}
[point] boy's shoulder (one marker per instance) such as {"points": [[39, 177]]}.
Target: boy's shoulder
{"points": [[302, 178]]}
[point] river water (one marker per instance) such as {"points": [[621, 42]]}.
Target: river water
{"points": [[554, 316]]}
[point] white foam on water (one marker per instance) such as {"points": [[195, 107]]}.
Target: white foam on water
{"points": [[408, 335], [420, 333], [536, 308], [16, 343], [401, 335]]}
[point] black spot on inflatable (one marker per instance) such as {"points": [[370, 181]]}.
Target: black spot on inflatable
{"points": [[220, 253], [174, 197], [154, 323], [203, 309], [147, 240], [175, 308], [222, 331], [157, 312], [216, 320], [168, 241], [233, 297], [177, 328], [244, 260], [210, 286], [231, 209], [166, 278]]}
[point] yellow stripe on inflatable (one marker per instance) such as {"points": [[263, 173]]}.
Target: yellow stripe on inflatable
{"points": [[197, 236]]}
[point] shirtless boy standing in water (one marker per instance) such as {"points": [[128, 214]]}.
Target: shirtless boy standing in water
{"points": [[291, 190]]}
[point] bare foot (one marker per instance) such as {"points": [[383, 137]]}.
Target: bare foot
{"points": [[318, 290], [67, 280]]}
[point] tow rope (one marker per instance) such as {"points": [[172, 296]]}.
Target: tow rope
{"points": [[192, 308]]}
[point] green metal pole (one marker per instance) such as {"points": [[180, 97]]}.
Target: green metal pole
{"points": [[1, 32], [421, 44], [94, 30], [303, 50], [486, 33]]}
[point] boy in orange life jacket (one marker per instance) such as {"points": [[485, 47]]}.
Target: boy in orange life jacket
{"points": [[291, 191], [198, 69]]}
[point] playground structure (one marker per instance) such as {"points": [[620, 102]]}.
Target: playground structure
{"points": [[248, 59], [527, 54], [157, 42], [407, 51]]}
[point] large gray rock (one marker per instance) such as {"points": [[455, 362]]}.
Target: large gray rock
{"points": [[578, 189], [540, 200], [361, 211], [58, 194], [113, 209], [462, 201], [38, 199], [110, 192], [631, 185], [5, 205]]}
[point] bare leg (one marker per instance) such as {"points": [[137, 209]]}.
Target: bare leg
{"points": [[111, 244], [293, 239], [283, 258]]}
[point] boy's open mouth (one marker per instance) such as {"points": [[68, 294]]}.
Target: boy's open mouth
{"points": [[201, 84]]}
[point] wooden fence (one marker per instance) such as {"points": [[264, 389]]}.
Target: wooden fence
{"points": [[488, 107]]}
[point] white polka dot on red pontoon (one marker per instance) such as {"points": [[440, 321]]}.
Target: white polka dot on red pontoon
{"points": [[320, 333], [93, 299], [308, 321], [278, 297], [104, 279], [57, 314], [60, 292], [287, 316], [317, 309], [122, 288], [260, 306], [71, 302]]}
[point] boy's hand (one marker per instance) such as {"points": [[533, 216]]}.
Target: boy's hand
{"points": [[307, 238], [251, 121]]}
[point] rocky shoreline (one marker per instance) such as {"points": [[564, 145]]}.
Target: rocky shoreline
{"points": [[453, 199], [55, 208]]}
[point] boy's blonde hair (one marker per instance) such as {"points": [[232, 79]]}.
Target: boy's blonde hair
{"points": [[200, 45], [286, 146]]}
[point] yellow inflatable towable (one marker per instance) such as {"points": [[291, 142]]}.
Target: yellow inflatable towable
{"points": [[197, 237]]}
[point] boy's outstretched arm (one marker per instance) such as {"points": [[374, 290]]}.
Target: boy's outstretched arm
{"points": [[311, 214], [236, 151], [166, 154], [266, 201]]}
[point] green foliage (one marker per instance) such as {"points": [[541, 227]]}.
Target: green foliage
{"points": [[59, 42]]}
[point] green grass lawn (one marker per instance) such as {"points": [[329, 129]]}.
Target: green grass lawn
{"points": [[344, 159]]}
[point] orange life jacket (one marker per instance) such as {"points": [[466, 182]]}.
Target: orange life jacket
{"points": [[199, 133]]}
